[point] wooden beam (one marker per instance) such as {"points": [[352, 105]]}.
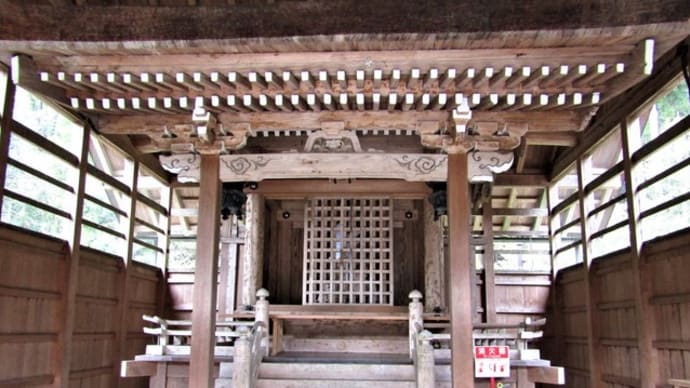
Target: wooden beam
{"points": [[206, 275], [461, 283], [259, 167], [558, 121], [559, 139], [297, 188], [489, 263], [519, 212], [520, 180], [511, 202], [543, 202], [22, 21], [348, 61]]}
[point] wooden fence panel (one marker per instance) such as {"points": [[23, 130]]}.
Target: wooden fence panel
{"points": [[30, 299], [667, 264], [612, 276]]}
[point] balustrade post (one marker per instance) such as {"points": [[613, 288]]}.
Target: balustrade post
{"points": [[242, 359], [261, 315], [416, 317], [424, 362]]}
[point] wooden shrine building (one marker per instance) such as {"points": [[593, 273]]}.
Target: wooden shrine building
{"points": [[344, 193]]}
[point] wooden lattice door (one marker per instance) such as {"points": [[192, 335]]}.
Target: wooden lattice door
{"points": [[348, 251]]}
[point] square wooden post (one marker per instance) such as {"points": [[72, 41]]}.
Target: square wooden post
{"points": [[206, 274], [461, 309]]}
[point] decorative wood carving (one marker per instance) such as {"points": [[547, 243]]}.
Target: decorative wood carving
{"points": [[409, 167], [333, 138], [257, 167], [469, 135], [483, 165]]}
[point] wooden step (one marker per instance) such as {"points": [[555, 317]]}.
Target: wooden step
{"points": [[377, 344], [310, 371], [280, 383]]}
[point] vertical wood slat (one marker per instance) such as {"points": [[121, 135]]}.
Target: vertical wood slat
{"points": [[205, 274], [489, 266], [590, 294], [648, 354], [71, 282], [461, 309]]}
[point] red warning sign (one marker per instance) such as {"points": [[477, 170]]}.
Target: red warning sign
{"points": [[491, 361]]}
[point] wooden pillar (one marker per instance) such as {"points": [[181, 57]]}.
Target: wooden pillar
{"points": [[489, 264], [557, 319], [120, 347], [205, 274], [646, 321], [433, 261], [5, 126], [254, 249], [461, 309], [591, 297], [228, 267], [63, 360]]}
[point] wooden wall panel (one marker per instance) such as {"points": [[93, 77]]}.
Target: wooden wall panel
{"points": [[30, 298], [520, 295], [612, 277], [666, 263], [30, 310]]}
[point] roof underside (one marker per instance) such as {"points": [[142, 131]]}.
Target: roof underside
{"points": [[380, 68]]}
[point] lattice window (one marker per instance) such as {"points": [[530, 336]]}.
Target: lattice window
{"points": [[348, 251]]}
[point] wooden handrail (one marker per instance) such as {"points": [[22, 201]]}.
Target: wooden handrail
{"points": [[679, 383]]}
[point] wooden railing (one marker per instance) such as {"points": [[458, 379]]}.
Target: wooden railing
{"points": [[243, 339], [174, 336], [515, 336], [421, 351], [678, 383], [251, 346]]}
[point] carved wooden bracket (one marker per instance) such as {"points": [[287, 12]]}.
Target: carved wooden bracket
{"points": [[332, 138], [468, 135]]}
